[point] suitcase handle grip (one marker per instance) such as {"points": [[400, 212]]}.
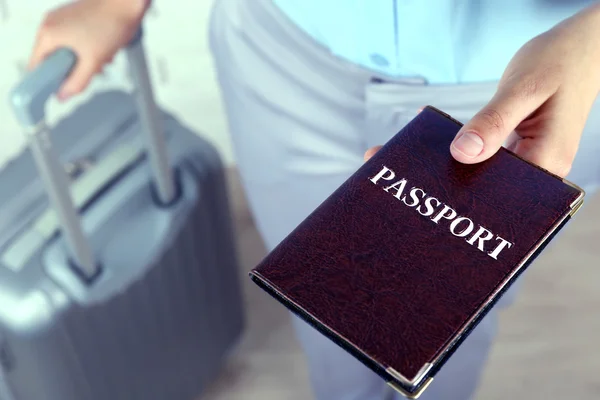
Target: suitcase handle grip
{"points": [[28, 100], [30, 97]]}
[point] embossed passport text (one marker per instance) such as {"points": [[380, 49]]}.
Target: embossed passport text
{"points": [[405, 258]]}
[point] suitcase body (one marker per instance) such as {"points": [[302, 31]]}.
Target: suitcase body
{"points": [[159, 318]]}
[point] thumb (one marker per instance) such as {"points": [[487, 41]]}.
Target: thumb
{"points": [[484, 134]]}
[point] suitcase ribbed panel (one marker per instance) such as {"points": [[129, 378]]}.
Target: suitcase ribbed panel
{"points": [[188, 307], [5, 361]]}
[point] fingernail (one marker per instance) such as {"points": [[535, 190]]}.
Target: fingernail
{"points": [[469, 143]]}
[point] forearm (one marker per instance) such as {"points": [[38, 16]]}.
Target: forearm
{"points": [[589, 16], [582, 30]]}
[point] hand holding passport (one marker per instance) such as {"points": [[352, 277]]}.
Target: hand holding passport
{"points": [[405, 258]]}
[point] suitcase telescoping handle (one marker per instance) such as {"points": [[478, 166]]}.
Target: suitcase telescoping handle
{"points": [[28, 100]]}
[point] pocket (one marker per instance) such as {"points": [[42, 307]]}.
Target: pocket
{"points": [[390, 105]]}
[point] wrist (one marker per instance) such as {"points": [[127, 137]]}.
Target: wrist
{"points": [[129, 10], [583, 28], [591, 16]]}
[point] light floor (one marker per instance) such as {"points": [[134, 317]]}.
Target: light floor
{"points": [[548, 346]]}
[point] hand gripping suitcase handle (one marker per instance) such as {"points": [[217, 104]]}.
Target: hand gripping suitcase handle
{"points": [[30, 97], [28, 100]]}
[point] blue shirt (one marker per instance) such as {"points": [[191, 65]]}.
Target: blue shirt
{"points": [[442, 41]]}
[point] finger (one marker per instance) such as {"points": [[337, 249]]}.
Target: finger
{"points": [[79, 79], [41, 50], [371, 152], [511, 141], [484, 134], [554, 152]]}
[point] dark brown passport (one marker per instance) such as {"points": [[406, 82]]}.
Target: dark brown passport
{"points": [[404, 259]]}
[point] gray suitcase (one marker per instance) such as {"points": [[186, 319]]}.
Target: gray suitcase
{"points": [[118, 268]]}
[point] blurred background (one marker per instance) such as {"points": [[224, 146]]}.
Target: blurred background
{"points": [[178, 57], [548, 346]]}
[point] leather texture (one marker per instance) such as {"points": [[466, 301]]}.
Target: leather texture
{"points": [[391, 282]]}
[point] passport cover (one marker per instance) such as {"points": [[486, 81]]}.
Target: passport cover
{"points": [[404, 259]]}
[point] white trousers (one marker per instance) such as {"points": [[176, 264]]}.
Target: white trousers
{"points": [[300, 120]]}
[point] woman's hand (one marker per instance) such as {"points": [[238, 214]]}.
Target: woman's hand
{"points": [[542, 101], [94, 29], [544, 96]]}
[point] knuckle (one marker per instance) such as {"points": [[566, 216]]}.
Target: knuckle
{"points": [[540, 82], [528, 87], [493, 120]]}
